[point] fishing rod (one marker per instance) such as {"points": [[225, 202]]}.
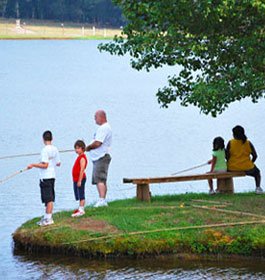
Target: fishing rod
{"points": [[32, 154], [185, 170], [14, 174]]}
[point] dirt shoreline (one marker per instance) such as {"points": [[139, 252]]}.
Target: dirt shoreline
{"points": [[23, 247]]}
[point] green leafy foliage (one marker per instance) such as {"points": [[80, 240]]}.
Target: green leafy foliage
{"points": [[101, 12], [2, 7], [219, 44]]}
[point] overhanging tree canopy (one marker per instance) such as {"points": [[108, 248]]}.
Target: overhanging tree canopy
{"points": [[220, 45]]}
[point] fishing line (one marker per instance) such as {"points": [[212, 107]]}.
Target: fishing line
{"points": [[166, 229], [185, 170], [32, 154]]}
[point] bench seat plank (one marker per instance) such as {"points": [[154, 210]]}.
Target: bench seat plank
{"points": [[169, 179]]}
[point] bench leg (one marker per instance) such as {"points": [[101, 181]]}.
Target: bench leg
{"points": [[225, 185], [139, 192], [143, 192]]}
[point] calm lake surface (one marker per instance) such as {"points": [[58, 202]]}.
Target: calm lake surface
{"points": [[58, 85]]}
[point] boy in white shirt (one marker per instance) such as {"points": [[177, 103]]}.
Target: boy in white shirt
{"points": [[48, 161]]}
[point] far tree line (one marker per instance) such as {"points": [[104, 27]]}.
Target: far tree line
{"points": [[90, 11]]}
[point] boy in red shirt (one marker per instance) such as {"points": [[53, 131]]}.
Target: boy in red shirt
{"points": [[79, 177]]}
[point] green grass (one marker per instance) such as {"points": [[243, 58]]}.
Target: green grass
{"points": [[126, 219]]}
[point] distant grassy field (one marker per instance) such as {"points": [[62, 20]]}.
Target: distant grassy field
{"points": [[34, 29]]}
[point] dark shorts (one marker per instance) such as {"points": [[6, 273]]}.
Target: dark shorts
{"points": [[254, 172], [47, 190], [80, 191], [100, 170]]}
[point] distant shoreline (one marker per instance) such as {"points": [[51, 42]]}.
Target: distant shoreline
{"points": [[12, 29], [55, 38]]}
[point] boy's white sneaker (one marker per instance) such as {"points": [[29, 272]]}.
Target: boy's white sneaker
{"points": [[78, 213], [259, 190], [45, 222], [101, 203], [211, 192], [40, 221]]}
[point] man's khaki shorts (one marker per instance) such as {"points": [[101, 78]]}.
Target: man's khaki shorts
{"points": [[100, 170]]}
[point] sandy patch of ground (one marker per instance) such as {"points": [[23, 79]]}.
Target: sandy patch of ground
{"points": [[93, 225]]}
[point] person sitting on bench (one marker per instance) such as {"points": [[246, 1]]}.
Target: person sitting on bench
{"points": [[238, 152], [218, 162]]}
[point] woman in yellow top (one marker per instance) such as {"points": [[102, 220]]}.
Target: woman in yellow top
{"points": [[241, 155]]}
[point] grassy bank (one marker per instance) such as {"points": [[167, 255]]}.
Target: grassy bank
{"points": [[37, 29], [178, 224]]}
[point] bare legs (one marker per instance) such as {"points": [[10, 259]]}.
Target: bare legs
{"points": [[210, 184], [102, 190], [82, 203], [49, 207]]}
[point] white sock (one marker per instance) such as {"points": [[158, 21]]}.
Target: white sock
{"points": [[81, 208], [47, 216], [102, 199]]}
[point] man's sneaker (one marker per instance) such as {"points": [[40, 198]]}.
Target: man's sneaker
{"points": [[46, 222], [259, 190], [211, 192], [78, 213], [101, 203]]}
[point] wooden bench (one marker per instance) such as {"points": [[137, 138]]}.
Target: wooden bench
{"points": [[224, 182]]}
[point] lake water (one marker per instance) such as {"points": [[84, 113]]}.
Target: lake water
{"points": [[58, 85]]}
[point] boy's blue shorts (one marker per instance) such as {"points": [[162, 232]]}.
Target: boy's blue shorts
{"points": [[80, 191]]}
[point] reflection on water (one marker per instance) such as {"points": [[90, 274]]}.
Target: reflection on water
{"points": [[58, 267]]}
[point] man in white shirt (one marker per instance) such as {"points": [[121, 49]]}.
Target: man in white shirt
{"points": [[99, 152], [48, 161]]}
